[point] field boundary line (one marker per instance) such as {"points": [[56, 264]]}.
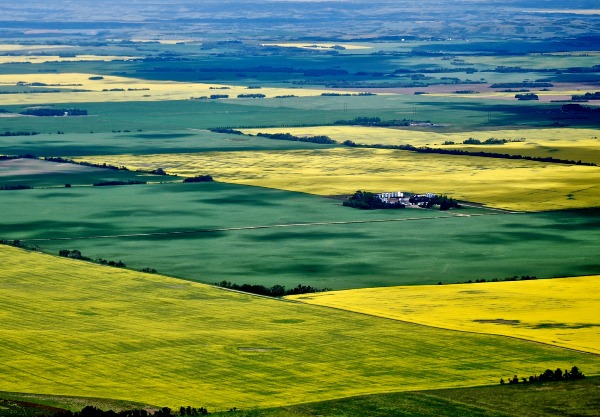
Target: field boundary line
{"points": [[452, 330], [229, 229]]}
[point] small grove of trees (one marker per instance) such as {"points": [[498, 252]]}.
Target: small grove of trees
{"points": [[548, 376], [199, 178], [587, 96], [444, 202], [274, 291], [226, 130], [527, 96], [75, 254], [365, 200], [251, 96]]}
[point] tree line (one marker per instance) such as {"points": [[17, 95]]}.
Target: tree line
{"points": [[49, 112], [60, 160], [75, 254], [426, 149], [90, 411], [110, 183], [274, 291], [548, 376], [376, 121], [19, 133], [325, 140], [507, 279]]}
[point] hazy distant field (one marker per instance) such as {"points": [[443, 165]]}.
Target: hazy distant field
{"points": [[80, 329], [500, 183], [555, 311]]}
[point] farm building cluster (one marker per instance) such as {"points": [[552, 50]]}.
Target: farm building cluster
{"points": [[407, 199]]}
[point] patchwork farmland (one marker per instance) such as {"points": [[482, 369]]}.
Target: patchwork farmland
{"points": [[351, 208]]}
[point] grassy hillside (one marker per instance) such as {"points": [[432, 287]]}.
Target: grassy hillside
{"points": [[555, 311], [575, 398], [71, 328]]}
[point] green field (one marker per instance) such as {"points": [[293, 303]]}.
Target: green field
{"points": [[77, 329], [438, 247], [159, 208]]}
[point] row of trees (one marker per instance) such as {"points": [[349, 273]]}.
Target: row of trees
{"points": [[548, 376], [376, 121], [515, 278], [19, 133], [75, 254], [287, 136], [110, 183], [60, 160], [274, 291], [426, 149], [90, 411], [49, 112]]}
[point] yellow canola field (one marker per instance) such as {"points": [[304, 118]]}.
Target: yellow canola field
{"points": [[316, 45], [74, 328], [571, 144], [561, 312], [40, 59], [501, 183], [158, 90]]}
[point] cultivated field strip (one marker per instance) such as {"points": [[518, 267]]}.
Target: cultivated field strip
{"points": [[73, 328], [560, 311], [501, 183]]}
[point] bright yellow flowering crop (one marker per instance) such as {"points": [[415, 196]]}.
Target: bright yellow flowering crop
{"points": [[561, 312]]}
